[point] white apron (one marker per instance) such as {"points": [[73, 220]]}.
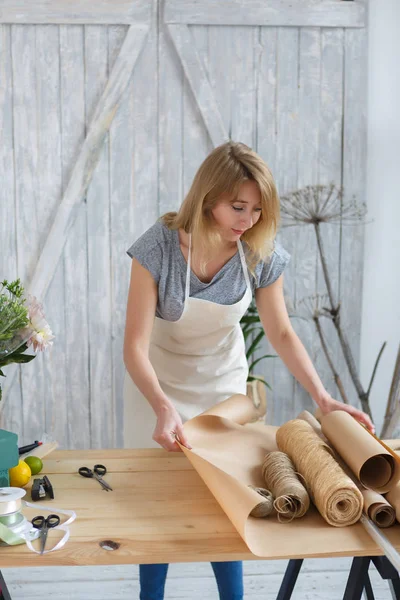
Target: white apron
{"points": [[199, 360]]}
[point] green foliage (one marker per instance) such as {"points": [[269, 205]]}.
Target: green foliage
{"points": [[13, 312], [13, 318], [253, 330]]}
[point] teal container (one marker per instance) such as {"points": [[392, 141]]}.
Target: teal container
{"points": [[9, 456]]}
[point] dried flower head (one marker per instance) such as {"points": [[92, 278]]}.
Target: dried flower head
{"points": [[317, 204], [312, 307]]}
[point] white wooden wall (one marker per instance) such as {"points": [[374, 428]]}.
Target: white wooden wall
{"points": [[289, 80]]}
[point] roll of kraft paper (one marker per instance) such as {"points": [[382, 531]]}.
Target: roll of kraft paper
{"points": [[393, 497], [311, 420], [378, 509], [372, 462]]}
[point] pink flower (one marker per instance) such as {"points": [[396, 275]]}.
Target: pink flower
{"points": [[40, 334]]}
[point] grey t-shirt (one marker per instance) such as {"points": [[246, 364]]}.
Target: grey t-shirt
{"points": [[158, 250]]}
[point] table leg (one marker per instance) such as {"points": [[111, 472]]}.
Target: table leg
{"points": [[4, 593], [387, 571], [289, 579], [357, 578], [369, 594]]}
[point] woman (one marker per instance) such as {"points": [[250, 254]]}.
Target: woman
{"points": [[192, 279]]}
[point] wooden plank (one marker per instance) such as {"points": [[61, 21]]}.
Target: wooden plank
{"points": [[121, 145], [220, 71], [11, 405], [286, 178], [305, 260], [134, 147], [76, 12], [283, 13], [76, 353], [28, 223], [83, 169], [48, 90], [266, 69], [330, 171], [353, 181], [101, 408], [196, 75], [170, 103], [196, 141], [243, 80]]}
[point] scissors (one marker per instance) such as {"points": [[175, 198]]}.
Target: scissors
{"points": [[97, 472], [44, 525]]}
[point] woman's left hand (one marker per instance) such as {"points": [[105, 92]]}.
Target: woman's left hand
{"points": [[330, 404]]}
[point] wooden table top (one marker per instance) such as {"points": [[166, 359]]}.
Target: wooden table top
{"points": [[161, 511]]}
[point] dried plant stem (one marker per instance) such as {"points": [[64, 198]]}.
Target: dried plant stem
{"points": [[334, 312], [378, 358], [392, 414], [336, 376], [324, 265]]}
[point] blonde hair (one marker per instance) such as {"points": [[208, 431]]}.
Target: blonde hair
{"points": [[222, 172]]}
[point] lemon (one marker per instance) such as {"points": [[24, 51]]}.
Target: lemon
{"points": [[35, 464], [20, 475]]}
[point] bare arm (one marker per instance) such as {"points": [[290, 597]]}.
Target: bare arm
{"points": [[141, 309], [278, 329]]}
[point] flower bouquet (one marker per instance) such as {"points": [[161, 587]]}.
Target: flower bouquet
{"points": [[22, 324]]}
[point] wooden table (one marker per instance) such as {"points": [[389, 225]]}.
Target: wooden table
{"points": [[161, 511]]}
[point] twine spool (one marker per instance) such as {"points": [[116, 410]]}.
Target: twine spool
{"points": [[291, 498], [337, 498], [264, 508]]}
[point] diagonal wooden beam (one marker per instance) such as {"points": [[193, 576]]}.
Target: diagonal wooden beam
{"points": [[77, 12], [84, 167], [199, 83], [274, 13]]}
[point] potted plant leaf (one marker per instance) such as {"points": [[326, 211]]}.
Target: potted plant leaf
{"points": [[253, 333]]}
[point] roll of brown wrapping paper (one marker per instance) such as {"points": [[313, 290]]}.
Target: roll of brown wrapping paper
{"points": [[309, 418], [378, 509], [393, 497], [372, 462]]}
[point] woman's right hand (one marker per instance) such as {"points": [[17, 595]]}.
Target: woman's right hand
{"points": [[169, 426]]}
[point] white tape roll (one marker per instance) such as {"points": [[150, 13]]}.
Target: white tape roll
{"points": [[10, 500]]}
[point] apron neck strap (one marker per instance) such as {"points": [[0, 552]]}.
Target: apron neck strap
{"points": [[187, 285], [244, 264]]}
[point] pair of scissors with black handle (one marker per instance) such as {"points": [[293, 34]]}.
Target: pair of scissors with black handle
{"points": [[44, 525], [97, 472]]}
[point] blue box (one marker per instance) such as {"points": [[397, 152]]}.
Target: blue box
{"points": [[9, 455]]}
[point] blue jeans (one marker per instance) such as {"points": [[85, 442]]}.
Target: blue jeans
{"points": [[229, 576]]}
